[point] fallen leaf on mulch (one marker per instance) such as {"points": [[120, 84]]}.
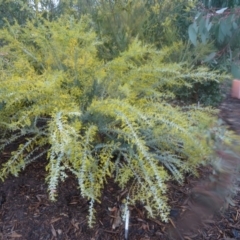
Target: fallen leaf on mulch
{"points": [[117, 220], [15, 235], [55, 220], [54, 233]]}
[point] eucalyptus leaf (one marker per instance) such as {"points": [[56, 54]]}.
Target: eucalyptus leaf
{"points": [[225, 28], [222, 10], [209, 26], [220, 36], [210, 57], [235, 26], [229, 33], [204, 38], [235, 70], [202, 24], [207, 20], [192, 34], [195, 26], [198, 15]]}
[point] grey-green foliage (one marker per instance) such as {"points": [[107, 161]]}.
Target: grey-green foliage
{"points": [[14, 10], [220, 3], [222, 27]]}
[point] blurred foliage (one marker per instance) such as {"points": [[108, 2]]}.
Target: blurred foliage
{"points": [[206, 93], [222, 28], [217, 24], [14, 10], [220, 3], [159, 23]]}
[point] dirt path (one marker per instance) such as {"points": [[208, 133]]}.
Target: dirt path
{"points": [[230, 112], [27, 214]]}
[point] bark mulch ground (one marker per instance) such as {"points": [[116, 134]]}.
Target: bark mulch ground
{"points": [[201, 209]]}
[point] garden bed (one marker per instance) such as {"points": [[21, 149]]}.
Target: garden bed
{"points": [[26, 212]]}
